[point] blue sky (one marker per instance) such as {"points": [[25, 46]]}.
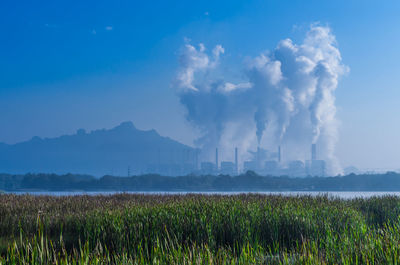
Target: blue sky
{"points": [[66, 65]]}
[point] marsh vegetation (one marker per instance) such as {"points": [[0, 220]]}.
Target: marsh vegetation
{"points": [[198, 229]]}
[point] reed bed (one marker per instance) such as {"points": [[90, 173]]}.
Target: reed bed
{"points": [[198, 229]]}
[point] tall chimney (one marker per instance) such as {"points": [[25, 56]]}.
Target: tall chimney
{"points": [[279, 154], [196, 159], [236, 161], [313, 152], [216, 159]]}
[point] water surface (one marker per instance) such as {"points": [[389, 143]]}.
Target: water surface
{"points": [[337, 194]]}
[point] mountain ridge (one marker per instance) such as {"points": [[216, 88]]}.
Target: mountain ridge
{"points": [[99, 152]]}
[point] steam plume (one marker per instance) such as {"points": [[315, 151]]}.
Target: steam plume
{"points": [[287, 97]]}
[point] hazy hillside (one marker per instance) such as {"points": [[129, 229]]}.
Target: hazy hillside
{"points": [[98, 153]]}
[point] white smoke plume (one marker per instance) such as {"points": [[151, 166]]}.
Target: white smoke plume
{"points": [[286, 99], [194, 60]]}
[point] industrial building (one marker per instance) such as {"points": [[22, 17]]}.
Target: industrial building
{"points": [[250, 165], [264, 162], [207, 168], [228, 168], [271, 167], [174, 162], [270, 163]]}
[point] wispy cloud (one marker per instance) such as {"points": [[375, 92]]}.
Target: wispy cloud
{"points": [[108, 28]]}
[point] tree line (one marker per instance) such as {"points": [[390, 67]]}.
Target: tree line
{"points": [[249, 181]]}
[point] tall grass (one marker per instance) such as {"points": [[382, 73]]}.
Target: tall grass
{"points": [[198, 229]]}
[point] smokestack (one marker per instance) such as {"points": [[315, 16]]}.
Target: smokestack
{"points": [[279, 154], [313, 152], [196, 160], [216, 158], [236, 161]]}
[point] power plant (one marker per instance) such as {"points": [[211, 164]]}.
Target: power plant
{"points": [[270, 163], [264, 162]]}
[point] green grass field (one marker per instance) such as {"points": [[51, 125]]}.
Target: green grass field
{"points": [[198, 229]]}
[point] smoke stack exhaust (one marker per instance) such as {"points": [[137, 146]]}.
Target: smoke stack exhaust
{"points": [[275, 85], [313, 152], [279, 154], [216, 159], [236, 161]]}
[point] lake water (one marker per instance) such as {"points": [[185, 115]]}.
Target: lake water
{"points": [[337, 194]]}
